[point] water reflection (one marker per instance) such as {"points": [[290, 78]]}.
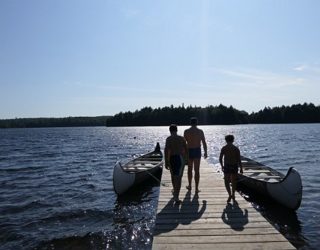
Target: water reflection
{"points": [[134, 217]]}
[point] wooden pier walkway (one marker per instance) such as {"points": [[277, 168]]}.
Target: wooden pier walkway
{"points": [[207, 221]]}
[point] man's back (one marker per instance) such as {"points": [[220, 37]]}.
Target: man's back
{"points": [[176, 144], [194, 136]]}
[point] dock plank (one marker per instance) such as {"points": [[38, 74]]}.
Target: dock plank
{"points": [[206, 221]]}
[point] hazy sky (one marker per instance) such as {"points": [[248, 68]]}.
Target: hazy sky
{"points": [[86, 58]]}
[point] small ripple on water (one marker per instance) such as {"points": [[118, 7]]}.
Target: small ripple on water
{"points": [[21, 207]]}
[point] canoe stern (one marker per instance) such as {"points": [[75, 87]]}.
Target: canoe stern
{"points": [[289, 190], [122, 180]]}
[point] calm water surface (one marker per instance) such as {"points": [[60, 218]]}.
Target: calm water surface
{"points": [[57, 193]]}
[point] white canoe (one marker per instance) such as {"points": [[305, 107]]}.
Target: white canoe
{"points": [[285, 189], [136, 171]]}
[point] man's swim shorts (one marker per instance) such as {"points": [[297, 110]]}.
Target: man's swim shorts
{"points": [[177, 165], [194, 153], [230, 169]]}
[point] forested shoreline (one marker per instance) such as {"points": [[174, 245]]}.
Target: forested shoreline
{"points": [[216, 115], [54, 122], [210, 115]]}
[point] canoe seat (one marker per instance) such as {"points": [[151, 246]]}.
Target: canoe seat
{"points": [[138, 167], [265, 177], [135, 169], [257, 171], [147, 162]]}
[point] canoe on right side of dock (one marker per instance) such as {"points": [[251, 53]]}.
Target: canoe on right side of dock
{"points": [[285, 189]]}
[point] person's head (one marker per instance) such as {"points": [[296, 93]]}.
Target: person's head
{"points": [[229, 138], [193, 121], [173, 128]]}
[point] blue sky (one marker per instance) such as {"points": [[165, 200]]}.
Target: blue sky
{"points": [[86, 58]]}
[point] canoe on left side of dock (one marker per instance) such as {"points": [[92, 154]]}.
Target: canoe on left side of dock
{"points": [[136, 171]]}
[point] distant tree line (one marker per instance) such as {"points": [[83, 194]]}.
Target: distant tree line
{"points": [[54, 122], [216, 115], [210, 115], [298, 113], [179, 115]]}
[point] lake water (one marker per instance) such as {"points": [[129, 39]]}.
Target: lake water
{"points": [[57, 191]]}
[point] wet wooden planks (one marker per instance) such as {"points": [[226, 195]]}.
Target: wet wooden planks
{"points": [[207, 221]]}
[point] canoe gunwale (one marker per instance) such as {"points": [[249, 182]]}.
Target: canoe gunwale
{"points": [[158, 160]]}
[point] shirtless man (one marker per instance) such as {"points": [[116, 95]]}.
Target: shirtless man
{"points": [[175, 153], [230, 154], [194, 136]]}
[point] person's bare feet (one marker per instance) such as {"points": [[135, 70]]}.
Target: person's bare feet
{"points": [[177, 201], [198, 190], [188, 187]]}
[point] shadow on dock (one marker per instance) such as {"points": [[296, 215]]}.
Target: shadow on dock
{"points": [[189, 208], [234, 216], [184, 213]]}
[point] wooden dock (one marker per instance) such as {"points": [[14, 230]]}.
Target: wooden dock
{"points": [[207, 221]]}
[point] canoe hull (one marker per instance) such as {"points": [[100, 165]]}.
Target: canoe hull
{"points": [[124, 180], [287, 191]]}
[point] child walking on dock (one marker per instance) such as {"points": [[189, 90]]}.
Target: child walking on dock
{"points": [[230, 161]]}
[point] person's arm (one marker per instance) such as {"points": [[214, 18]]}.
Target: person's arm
{"points": [[185, 135], [166, 156], [239, 162], [203, 139], [185, 149], [220, 159]]}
